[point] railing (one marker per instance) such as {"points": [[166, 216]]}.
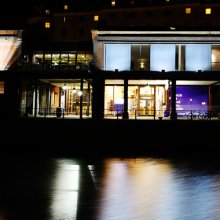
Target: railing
{"points": [[135, 114], [165, 114], [203, 115], [55, 113]]}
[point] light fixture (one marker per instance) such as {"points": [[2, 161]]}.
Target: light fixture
{"points": [[64, 86], [79, 93]]}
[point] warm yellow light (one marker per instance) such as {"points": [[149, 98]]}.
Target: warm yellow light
{"points": [[65, 7], [96, 18], [113, 2], [208, 11], [188, 11], [213, 58], [47, 24], [2, 87]]}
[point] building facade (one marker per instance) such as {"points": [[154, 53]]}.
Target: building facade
{"points": [[138, 62]]}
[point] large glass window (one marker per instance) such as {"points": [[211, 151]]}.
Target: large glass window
{"points": [[140, 57], [162, 57], [117, 56], [215, 57], [198, 57], [114, 97]]}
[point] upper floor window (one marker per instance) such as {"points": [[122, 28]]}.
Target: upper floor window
{"points": [[132, 2], [188, 10], [65, 7], [113, 2], [47, 24], [208, 11], [47, 12], [96, 17]]}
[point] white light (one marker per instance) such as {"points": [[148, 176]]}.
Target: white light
{"points": [[64, 87], [213, 58], [79, 93], [65, 190]]}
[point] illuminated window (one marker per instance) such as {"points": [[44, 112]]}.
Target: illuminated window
{"points": [[2, 87], [47, 12], [96, 18], [188, 11], [113, 2], [64, 19], [47, 24], [65, 7], [208, 11]]}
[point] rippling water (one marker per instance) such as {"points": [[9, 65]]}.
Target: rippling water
{"points": [[109, 188]]}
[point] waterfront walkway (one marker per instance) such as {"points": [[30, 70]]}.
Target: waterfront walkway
{"points": [[100, 137]]}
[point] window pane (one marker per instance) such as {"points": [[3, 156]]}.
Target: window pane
{"points": [[198, 57], [118, 56], [162, 57]]}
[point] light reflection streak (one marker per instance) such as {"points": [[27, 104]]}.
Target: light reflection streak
{"points": [[149, 189], [133, 189], [65, 194]]}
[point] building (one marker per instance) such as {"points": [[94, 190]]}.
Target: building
{"points": [[125, 59]]}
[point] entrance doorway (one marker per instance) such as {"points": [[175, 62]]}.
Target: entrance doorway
{"points": [[146, 107]]}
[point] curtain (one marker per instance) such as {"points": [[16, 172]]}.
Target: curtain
{"points": [[117, 56], [162, 57], [198, 57]]}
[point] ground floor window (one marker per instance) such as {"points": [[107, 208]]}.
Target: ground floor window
{"points": [[57, 98], [114, 97], [2, 87]]}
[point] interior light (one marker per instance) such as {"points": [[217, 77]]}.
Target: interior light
{"points": [[208, 11], [79, 93], [64, 86], [213, 58]]}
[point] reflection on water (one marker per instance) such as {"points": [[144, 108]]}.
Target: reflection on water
{"points": [[65, 190], [109, 189]]}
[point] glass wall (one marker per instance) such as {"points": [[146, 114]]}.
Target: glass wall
{"points": [[158, 57], [114, 97], [117, 56], [72, 98], [75, 60], [198, 57], [146, 98], [162, 57]]}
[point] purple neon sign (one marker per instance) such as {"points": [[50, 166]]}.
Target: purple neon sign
{"points": [[191, 98]]}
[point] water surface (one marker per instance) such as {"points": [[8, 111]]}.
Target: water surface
{"points": [[144, 188]]}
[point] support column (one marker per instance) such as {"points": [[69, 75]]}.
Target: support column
{"points": [[35, 98], [81, 99], [88, 100], [173, 100], [98, 96], [125, 113]]}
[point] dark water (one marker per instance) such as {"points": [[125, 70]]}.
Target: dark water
{"points": [[144, 188]]}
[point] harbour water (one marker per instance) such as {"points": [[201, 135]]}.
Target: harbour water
{"points": [[110, 188]]}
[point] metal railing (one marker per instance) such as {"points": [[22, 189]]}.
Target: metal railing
{"points": [[138, 114], [54, 113]]}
